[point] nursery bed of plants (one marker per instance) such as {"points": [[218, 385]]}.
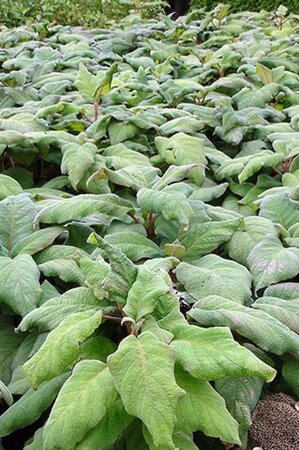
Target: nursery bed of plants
{"points": [[149, 231]]}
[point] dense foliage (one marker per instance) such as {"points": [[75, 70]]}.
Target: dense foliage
{"points": [[88, 13], [149, 211], [249, 5]]}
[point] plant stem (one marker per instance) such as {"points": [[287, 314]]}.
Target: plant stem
{"points": [[278, 171], [127, 324], [136, 220], [150, 226], [113, 318], [96, 110]]}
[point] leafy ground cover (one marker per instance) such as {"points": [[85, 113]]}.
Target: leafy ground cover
{"points": [[149, 230], [87, 13]]}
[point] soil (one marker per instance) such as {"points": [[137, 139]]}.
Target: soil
{"points": [[275, 424]]}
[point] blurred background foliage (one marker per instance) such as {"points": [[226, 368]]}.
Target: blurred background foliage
{"points": [[101, 13]]}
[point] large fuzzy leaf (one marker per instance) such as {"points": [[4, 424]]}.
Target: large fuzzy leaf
{"points": [[61, 347], [271, 262], [76, 208], [241, 396], [204, 238], [246, 166], [123, 274], [16, 216], [202, 408], [280, 209], [9, 186], [49, 315], [20, 288], [77, 159], [109, 429], [85, 398], [213, 275], [134, 245], [29, 408], [286, 291], [210, 354], [286, 311], [9, 344], [155, 396], [243, 241], [171, 206], [182, 149], [65, 269], [37, 241], [148, 289], [290, 371], [260, 327]]}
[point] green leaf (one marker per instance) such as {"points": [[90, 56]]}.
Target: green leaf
{"points": [[49, 315], [16, 216], [61, 348], [9, 186], [172, 175], [97, 347], [120, 132], [29, 408], [286, 311], [120, 156], [154, 398], [246, 166], [243, 241], [287, 291], [67, 270], [210, 354], [108, 431], [181, 440], [37, 442], [92, 87], [86, 83], [84, 398], [123, 274], [202, 408], [181, 150], [213, 275], [204, 238], [148, 289], [261, 328], [270, 262], [171, 206], [209, 191], [76, 160], [81, 206], [59, 252], [188, 125], [280, 209], [20, 288], [153, 327], [37, 241], [9, 344], [134, 245], [241, 396], [264, 73], [5, 394], [290, 372]]}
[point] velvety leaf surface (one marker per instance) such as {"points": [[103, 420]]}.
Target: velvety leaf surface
{"points": [[210, 354], [151, 394], [61, 348], [82, 402]]}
